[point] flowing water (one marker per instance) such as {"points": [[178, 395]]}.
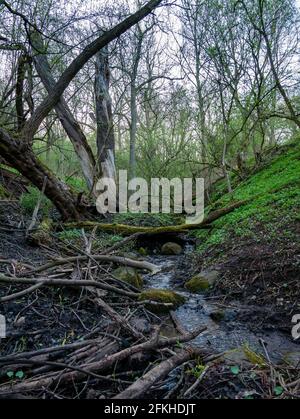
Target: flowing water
{"points": [[228, 334]]}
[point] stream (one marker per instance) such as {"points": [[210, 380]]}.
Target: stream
{"points": [[228, 334]]}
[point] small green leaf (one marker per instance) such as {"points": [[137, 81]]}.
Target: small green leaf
{"points": [[278, 391], [10, 374], [235, 370], [20, 374]]}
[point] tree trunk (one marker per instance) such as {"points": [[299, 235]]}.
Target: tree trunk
{"points": [[105, 129], [77, 64], [22, 158], [133, 132], [21, 72], [69, 123]]}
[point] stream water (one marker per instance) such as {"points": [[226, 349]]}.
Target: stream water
{"points": [[227, 334]]}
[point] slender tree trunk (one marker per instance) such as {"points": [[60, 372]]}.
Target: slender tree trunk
{"points": [[105, 128], [133, 132], [21, 72], [69, 123]]}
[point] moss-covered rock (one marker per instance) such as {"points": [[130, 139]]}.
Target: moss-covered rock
{"points": [[217, 316], [171, 249], [197, 285], [129, 275], [142, 251], [202, 282], [164, 297]]}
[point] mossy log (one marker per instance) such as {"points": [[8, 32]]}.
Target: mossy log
{"points": [[123, 229]]}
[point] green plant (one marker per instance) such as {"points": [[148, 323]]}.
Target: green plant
{"points": [[29, 200], [69, 235], [197, 371]]}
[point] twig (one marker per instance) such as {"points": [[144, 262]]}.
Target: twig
{"points": [[20, 294]]}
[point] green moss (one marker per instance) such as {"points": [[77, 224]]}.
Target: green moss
{"points": [[129, 275], [142, 251], [162, 296], [198, 285]]}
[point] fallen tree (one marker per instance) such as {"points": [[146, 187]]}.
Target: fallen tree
{"points": [[181, 228]]}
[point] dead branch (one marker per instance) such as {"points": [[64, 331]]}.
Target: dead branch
{"points": [[141, 386], [101, 258], [95, 367], [20, 294], [50, 282]]}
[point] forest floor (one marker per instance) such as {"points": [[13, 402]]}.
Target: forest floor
{"points": [[81, 342]]}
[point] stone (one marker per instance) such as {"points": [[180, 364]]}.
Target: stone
{"points": [[171, 249], [217, 316], [164, 297], [202, 282], [142, 251], [129, 275]]}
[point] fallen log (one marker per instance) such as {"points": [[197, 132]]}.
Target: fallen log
{"points": [[181, 228]]}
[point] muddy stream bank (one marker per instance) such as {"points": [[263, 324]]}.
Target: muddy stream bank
{"points": [[231, 326]]}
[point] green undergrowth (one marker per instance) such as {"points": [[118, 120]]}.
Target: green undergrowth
{"points": [[145, 220], [100, 240], [275, 193], [29, 200]]}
